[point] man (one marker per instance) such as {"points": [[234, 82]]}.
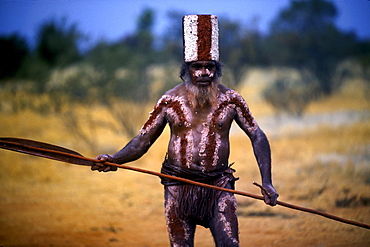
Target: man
{"points": [[200, 112]]}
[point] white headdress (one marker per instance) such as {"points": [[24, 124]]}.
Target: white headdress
{"points": [[200, 33]]}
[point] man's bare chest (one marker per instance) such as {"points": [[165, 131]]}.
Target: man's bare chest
{"points": [[198, 119]]}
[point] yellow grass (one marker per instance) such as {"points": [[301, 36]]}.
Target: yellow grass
{"points": [[45, 202]]}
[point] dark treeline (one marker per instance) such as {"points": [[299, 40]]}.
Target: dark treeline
{"points": [[303, 36]]}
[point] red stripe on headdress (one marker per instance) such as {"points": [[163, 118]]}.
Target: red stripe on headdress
{"points": [[204, 37]]}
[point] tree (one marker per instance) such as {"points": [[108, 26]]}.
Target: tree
{"points": [[124, 63], [304, 36], [172, 38], [13, 50], [58, 43], [142, 54], [141, 42], [240, 46]]}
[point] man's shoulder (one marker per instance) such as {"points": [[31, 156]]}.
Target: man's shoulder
{"points": [[176, 93], [177, 90], [228, 92]]}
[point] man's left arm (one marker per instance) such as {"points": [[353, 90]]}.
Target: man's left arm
{"points": [[262, 152], [261, 146]]}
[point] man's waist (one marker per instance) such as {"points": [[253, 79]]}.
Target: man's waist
{"points": [[195, 175]]}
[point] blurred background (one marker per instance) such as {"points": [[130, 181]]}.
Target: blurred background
{"points": [[85, 75]]}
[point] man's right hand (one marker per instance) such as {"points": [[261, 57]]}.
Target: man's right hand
{"points": [[101, 167]]}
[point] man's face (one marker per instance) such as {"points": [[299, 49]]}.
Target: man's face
{"points": [[202, 72]]}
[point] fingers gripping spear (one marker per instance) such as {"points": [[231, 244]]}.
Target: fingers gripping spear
{"points": [[50, 151]]}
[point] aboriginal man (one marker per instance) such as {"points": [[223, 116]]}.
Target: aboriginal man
{"points": [[199, 112]]}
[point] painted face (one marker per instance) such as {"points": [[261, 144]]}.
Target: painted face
{"points": [[202, 72]]}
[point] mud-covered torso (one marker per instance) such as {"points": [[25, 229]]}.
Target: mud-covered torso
{"points": [[199, 138]]}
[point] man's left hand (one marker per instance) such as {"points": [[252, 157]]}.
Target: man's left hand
{"points": [[270, 195]]}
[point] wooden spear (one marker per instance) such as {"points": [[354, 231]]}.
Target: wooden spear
{"points": [[50, 151]]}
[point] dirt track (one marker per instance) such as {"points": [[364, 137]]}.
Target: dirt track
{"points": [[81, 208]]}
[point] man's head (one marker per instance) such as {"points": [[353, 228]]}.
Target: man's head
{"points": [[201, 81], [201, 54], [201, 73], [201, 70]]}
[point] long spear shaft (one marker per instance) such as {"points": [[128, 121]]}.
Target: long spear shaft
{"points": [[62, 154]]}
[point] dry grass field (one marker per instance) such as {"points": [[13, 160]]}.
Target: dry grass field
{"points": [[321, 161]]}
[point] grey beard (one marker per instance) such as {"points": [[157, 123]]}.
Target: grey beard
{"points": [[203, 95]]}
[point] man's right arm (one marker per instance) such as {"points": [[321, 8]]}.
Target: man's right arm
{"points": [[135, 149]]}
